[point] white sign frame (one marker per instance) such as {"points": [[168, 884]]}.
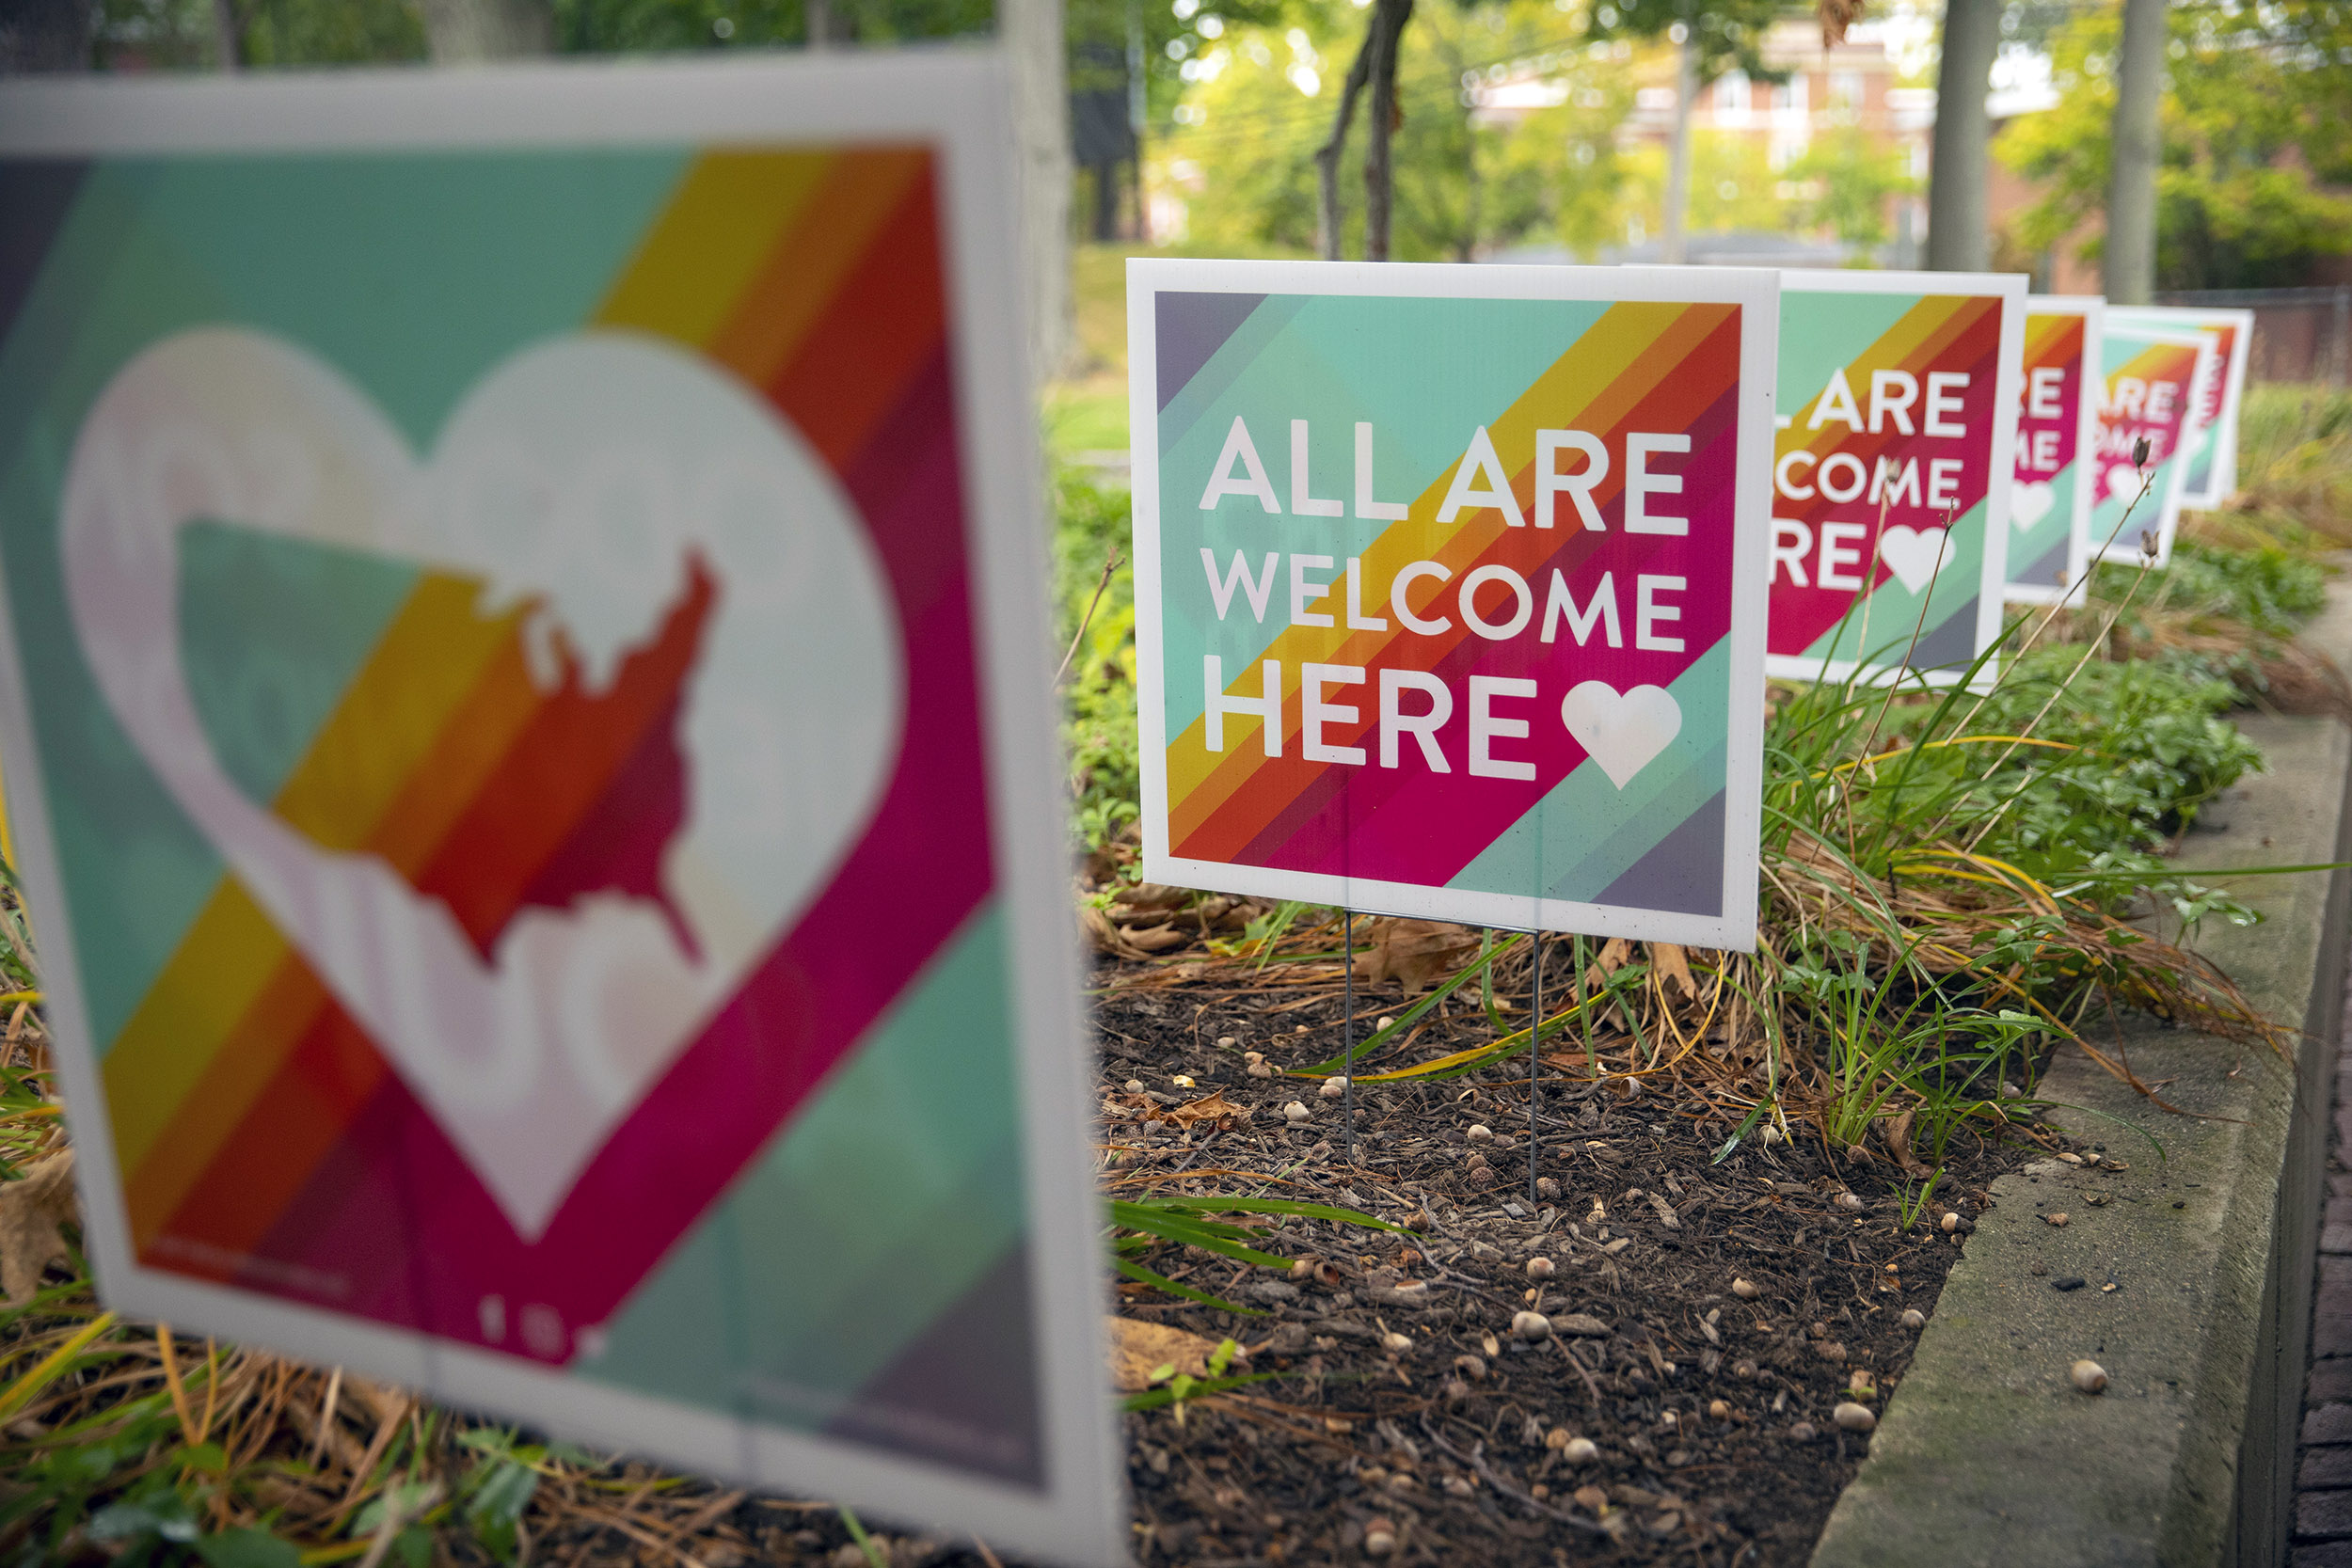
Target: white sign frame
{"points": [[2221, 478], [2011, 288], [1756, 292], [956, 101]]}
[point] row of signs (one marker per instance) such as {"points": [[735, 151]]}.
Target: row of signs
{"points": [[1457, 586], [521, 668]]}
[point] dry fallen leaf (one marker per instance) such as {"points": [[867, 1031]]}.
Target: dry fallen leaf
{"points": [[1668, 959], [31, 1212], [1613, 957], [1140, 1349], [1419, 953], [1212, 1107]]}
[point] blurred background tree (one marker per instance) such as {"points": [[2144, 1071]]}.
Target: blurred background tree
{"points": [[2254, 124]]}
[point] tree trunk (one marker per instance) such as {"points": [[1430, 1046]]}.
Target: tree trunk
{"points": [[1135, 114], [1386, 117], [1960, 236], [228, 36], [1328, 214], [460, 31], [1674, 242], [2131, 243], [1030, 32], [817, 15], [46, 34]]}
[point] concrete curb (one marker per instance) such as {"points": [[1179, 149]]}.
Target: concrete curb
{"points": [[1987, 1454]]}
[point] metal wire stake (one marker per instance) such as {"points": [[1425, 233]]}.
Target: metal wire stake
{"points": [[1348, 1040], [1535, 1062]]}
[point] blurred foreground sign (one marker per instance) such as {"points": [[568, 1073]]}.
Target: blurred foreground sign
{"points": [[1891, 482], [523, 693], [1448, 588]]}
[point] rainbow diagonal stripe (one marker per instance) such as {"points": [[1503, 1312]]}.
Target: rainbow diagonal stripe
{"points": [[2041, 556]]}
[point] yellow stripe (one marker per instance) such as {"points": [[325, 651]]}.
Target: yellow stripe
{"points": [[710, 243], [432, 654]]}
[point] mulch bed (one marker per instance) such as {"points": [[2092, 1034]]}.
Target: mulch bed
{"points": [[1710, 1410]]}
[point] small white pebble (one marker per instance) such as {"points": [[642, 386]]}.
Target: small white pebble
{"points": [[1135, 1085], [1746, 1289], [1913, 1318], [1540, 1268], [1950, 1221], [1302, 1269], [1183, 1080], [1396, 1344], [1334, 1087], [1854, 1417], [1531, 1326], [1717, 1410], [1296, 1110], [1481, 1134], [1849, 1201], [2090, 1376], [1259, 1070], [1581, 1451], [1380, 1540], [1226, 1042], [1770, 1136], [1556, 1439], [1300, 1030], [1385, 1022], [1470, 1366]]}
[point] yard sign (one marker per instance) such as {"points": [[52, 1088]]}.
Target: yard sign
{"points": [[2151, 380], [523, 696], [2210, 477], [2049, 502], [1890, 511], [1448, 588]]}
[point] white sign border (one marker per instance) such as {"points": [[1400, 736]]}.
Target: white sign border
{"points": [[2007, 372], [1756, 290], [2092, 309], [955, 99]]}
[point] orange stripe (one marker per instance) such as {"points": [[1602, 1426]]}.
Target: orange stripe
{"points": [[294, 1124], [889, 316], [830, 237]]}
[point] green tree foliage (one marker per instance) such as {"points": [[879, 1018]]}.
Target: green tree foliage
{"points": [[1261, 103], [1852, 178], [2254, 123], [1730, 33]]}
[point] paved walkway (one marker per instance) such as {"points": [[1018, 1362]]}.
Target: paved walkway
{"points": [[2323, 1476]]}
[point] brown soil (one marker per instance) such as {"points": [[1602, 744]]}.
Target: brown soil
{"points": [[1450, 1442]]}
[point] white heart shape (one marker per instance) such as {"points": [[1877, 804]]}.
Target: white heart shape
{"points": [[584, 470], [1914, 554], [2124, 481], [2029, 501], [1624, 732]]}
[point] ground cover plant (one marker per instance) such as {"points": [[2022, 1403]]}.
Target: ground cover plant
{"points": [[1752, 1169]]}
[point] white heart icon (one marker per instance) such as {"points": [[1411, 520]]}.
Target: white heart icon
{"points": [[1914, 554], [597, 474], [1624, 732], [2029, 501], [2124, 481]]}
